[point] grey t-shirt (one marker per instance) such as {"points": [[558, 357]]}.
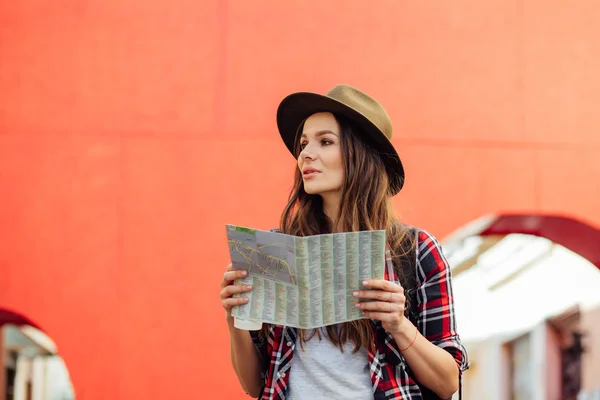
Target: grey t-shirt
{"points": [[322, 371]]}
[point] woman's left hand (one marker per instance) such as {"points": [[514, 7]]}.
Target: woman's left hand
{"points": [[388, 304]]}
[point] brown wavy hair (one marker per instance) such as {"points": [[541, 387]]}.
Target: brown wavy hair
{"points": [[366, 205]]}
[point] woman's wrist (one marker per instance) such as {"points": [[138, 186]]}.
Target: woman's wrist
{"points": [[405, 335], [230, 321]]}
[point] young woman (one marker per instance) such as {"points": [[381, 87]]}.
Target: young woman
{"points": [[407, 346]]}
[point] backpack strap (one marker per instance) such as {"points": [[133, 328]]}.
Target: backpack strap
{"points": [[408, 265]]}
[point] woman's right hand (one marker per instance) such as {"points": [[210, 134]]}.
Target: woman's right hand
{"points": [[228, 289]]}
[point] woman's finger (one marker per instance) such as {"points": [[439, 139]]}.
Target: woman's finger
{"points": [[381, 306], [382, 316], [231, 276], [234, 301], [384, 285], [380, 295], [230, 290]]}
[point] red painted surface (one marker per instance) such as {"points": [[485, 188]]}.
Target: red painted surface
{"points": [[131, 132]]}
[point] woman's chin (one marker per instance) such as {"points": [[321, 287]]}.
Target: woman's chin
{"points": [[312, 189], [320, 190]]}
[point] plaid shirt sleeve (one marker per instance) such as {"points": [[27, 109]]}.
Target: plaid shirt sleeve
{"points": [[436, 302]]}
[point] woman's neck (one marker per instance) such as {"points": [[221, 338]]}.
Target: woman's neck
{"points": [[331, 207]]}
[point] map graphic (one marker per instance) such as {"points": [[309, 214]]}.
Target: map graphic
{"points": [[304, 282], [263, 253]]}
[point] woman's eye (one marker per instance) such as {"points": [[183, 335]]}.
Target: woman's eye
{"points": [[326, 142], [302, 145]]}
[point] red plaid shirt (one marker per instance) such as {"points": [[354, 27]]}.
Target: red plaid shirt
{"points": [[390, 374]]}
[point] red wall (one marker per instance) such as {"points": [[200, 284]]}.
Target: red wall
{"points": [[131, 132]]}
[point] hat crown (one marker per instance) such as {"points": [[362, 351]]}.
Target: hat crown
{"points": [[365, 105]]}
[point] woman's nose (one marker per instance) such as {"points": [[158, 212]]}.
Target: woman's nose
{"points": [[306, 153]]}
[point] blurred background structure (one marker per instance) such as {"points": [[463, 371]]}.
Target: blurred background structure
{"points": [[132, 131]]}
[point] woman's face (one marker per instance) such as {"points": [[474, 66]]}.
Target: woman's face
{"points": [[320, 160]]}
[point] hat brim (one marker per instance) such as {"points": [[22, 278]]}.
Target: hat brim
{"points": [[295, 108]]}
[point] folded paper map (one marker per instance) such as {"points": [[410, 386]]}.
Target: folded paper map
{"points": [[304, 282]]}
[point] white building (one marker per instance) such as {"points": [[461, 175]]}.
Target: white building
{"points": [[522, 304], [30, 366]]}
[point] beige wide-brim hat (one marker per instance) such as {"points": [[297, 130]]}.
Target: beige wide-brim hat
{"points": [[355, 105]]}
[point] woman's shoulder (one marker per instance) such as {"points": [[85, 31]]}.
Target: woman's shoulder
{"points": [[414, 234], [426, 241], [430, 254]]}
